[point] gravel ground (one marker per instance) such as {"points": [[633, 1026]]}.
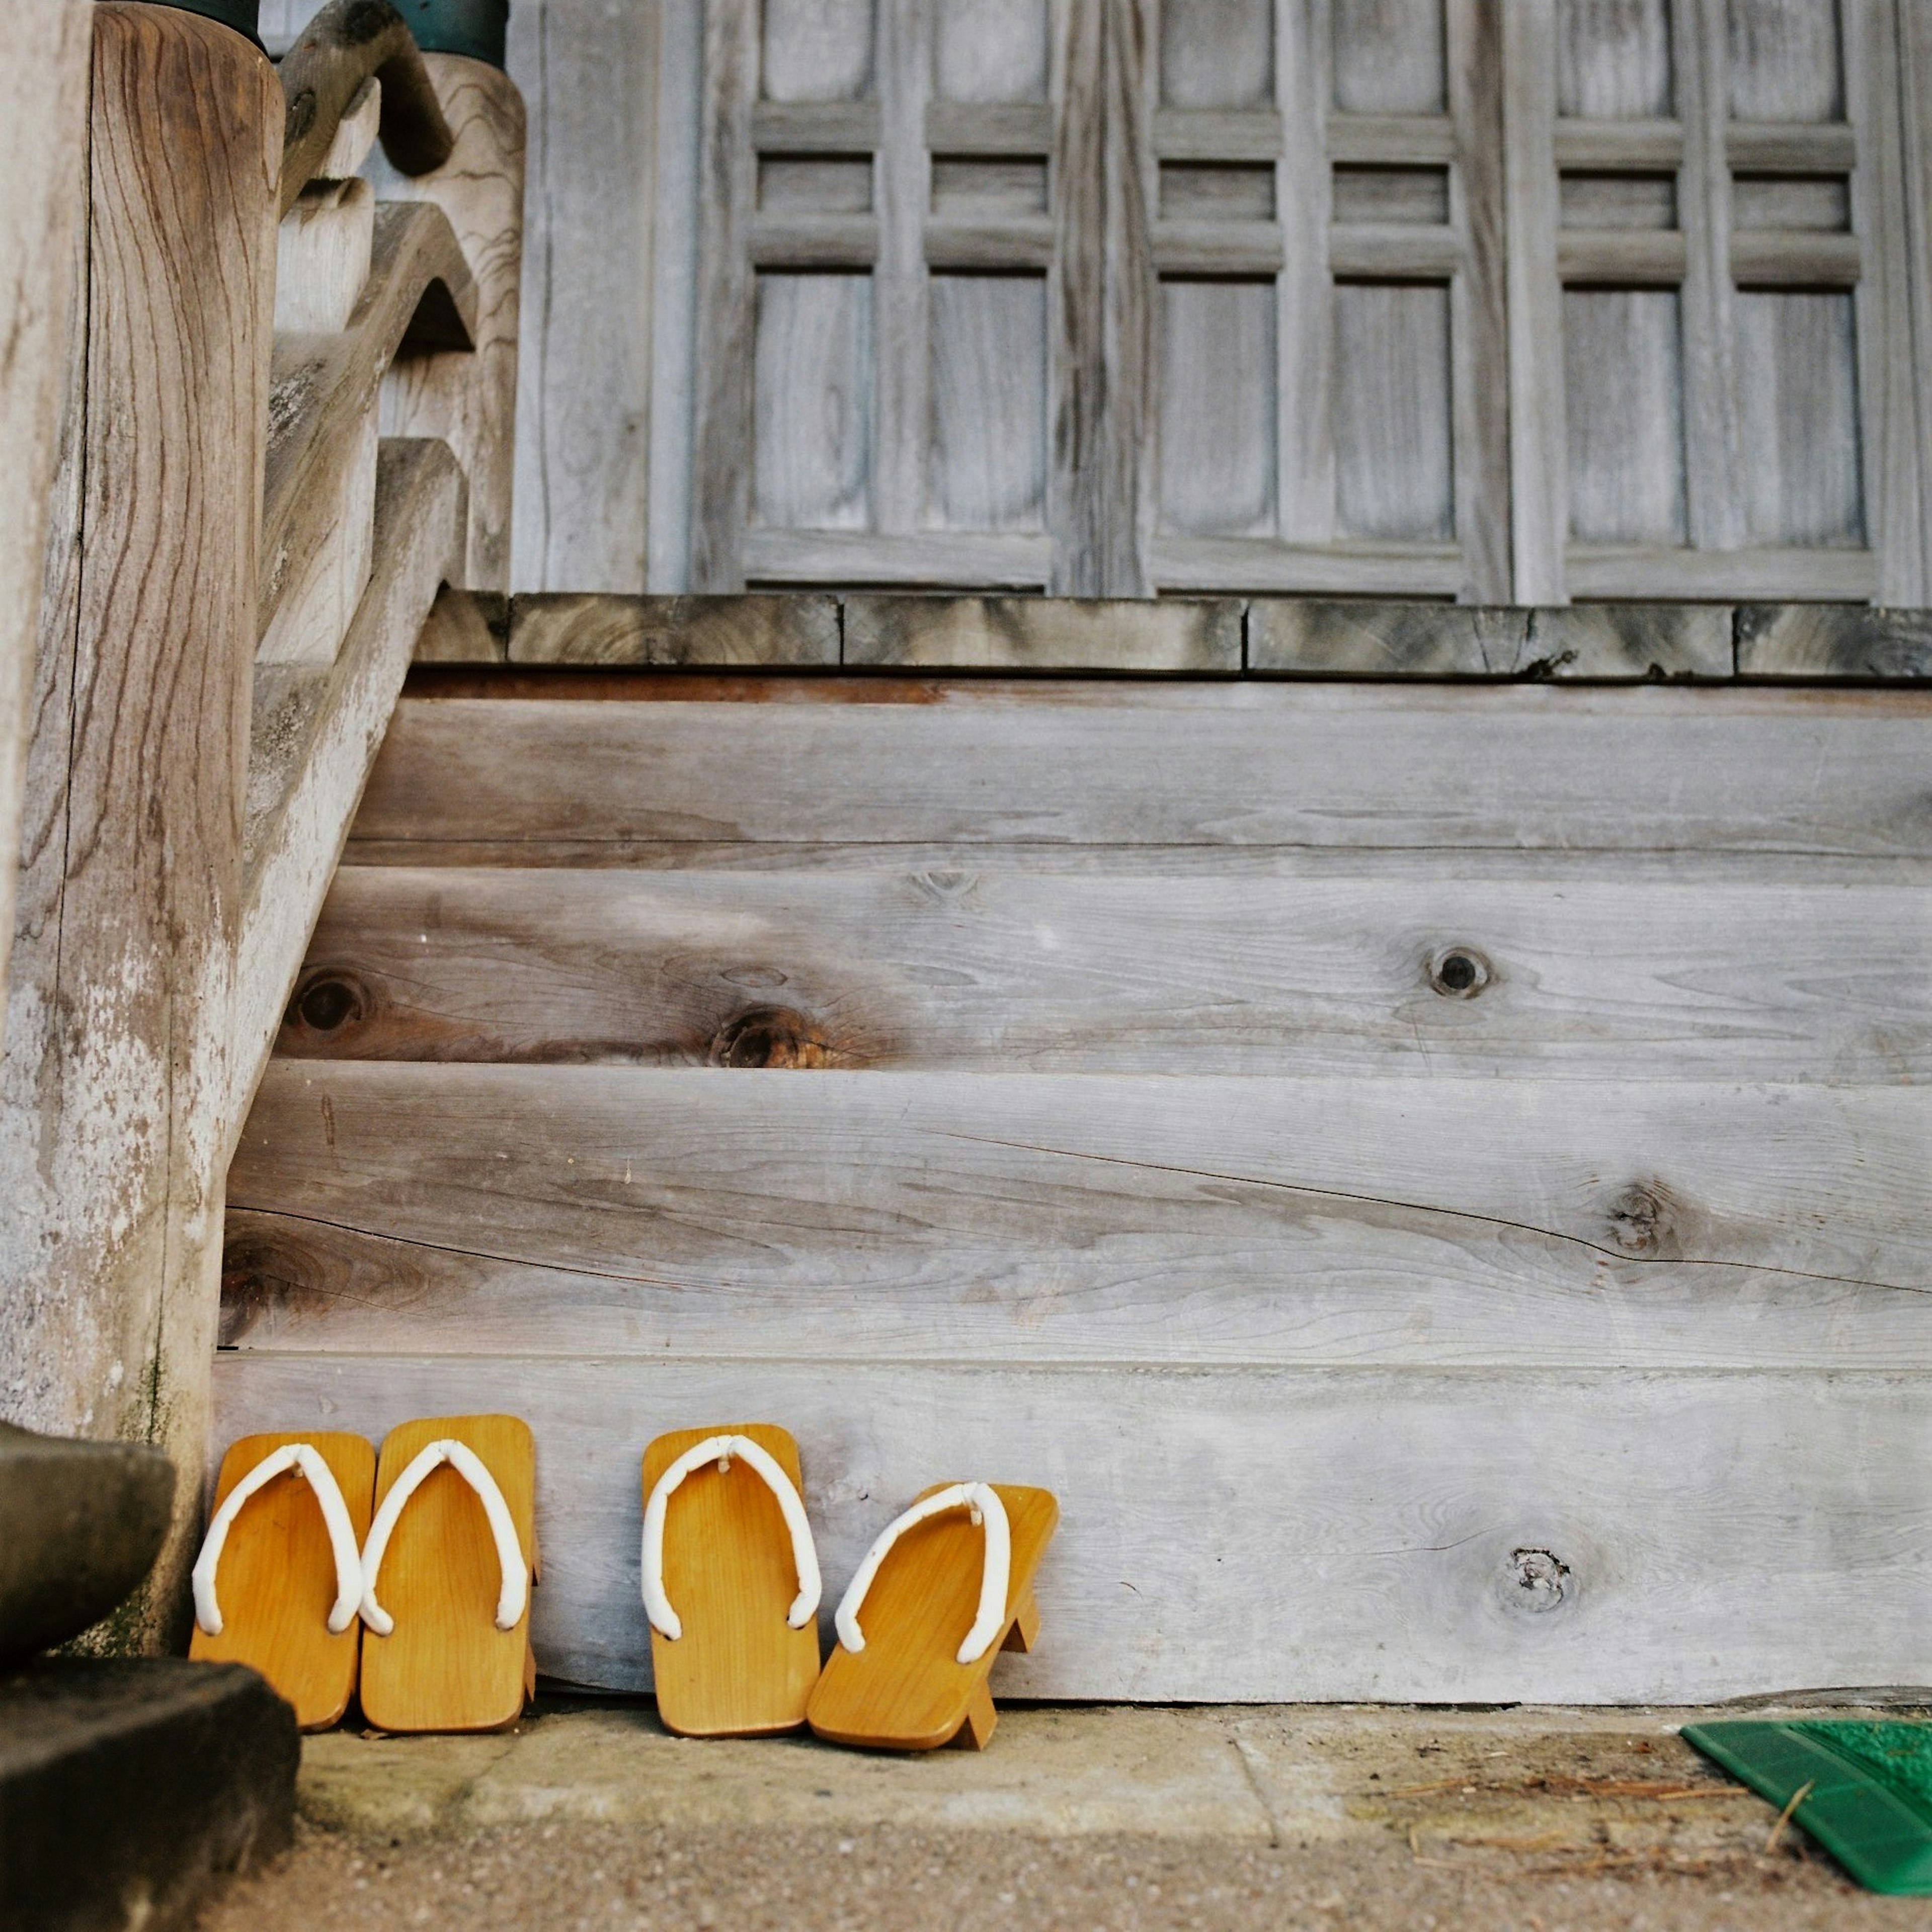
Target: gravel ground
{"points": [[1105, 1820], [564, 1876]]}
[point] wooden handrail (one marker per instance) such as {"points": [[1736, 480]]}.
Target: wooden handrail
{"points": [[342, 45]]}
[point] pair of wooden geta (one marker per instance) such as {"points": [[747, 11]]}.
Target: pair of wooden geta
{"points": [[739, 1670], [446, 1666]]}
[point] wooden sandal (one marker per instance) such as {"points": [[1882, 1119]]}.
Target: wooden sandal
{"points": [[453, 1550], [738, 1655], [288, 1553], [943, 1593]]}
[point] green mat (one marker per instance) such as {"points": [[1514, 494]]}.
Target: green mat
{"points": [[1870, 1804]]}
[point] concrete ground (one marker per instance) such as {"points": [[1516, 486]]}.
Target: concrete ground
{"points": [[588, 1815]]}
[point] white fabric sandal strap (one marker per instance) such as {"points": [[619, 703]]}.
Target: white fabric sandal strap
{"points": [[306, 1461], [515, 1590], [996, 1569], [721, 1449]]}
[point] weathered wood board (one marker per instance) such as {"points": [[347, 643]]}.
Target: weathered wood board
{"points": [[1034, 1217], [1272, 1534], [1070, 765], [43, 191], [1572, 968]]}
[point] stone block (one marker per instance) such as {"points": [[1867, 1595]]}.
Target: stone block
{"points": [[126, 1784]]}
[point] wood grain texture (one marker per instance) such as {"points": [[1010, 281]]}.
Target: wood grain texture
{"points": [[1308, 637], [1538, 427], [721, 456], [116, 1057], [322, 256], [446, 1666], [990, 967], [1031, 1217], [593, 319], [419, 288], [465, 627], [277, 1582], [1479, 323], [700, 633], [1832, 641], [907, 1689], [336, 542], [1538, 1534], [467, 398], [1248, 765], [314, 734], [338, 50], [1838, 575], [736, 1669], [1023, 634], [43, 184]]}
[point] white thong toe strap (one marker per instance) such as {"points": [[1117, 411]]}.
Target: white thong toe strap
{"points": [[996, 1567], [514, 1592], [307, 1462], [721, 1449]]}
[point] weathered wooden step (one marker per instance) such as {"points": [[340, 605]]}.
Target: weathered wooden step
{"points": [[377, 1207], [1340, 768], [1552, 1536], [1569, 970]]}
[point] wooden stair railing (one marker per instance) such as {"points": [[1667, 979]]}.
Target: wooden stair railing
{"points": [[238, 566]]}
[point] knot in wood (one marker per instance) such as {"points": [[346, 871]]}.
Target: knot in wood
{"points": [[1536, 1582], [328, 1003], [1641, 1218], [769, 1037], [1458, 972]]}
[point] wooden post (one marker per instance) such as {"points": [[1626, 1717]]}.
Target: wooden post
{"points": [[43, 167], [110, 1141]]}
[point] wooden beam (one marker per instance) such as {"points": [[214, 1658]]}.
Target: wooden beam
{"points": [[468, 398], [316, 732], [1479, 1534], [419, 289], [1716, 976], [116, 1061], [1273, 767], [43, 184], [348, 43]]}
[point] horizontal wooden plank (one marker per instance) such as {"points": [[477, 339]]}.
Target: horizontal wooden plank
{"points": [[814, 240], [1795, 259], [1833, 640], [1222, 564], [1361, 637], [988, 128], [995, 559], [1217, 133], [1044, 634], [1209, 248], [1034, 1216], [815, 127], [1636, 146], [1625, 258], [1535, 1537], [1732, 576], [1391, 249], [1062, 764], [695, 632], [1011, 241], [989, 970], [1392, 140], [1791, 147]]}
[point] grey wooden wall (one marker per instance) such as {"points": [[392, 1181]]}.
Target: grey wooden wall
{"points": [[1509, 300]]}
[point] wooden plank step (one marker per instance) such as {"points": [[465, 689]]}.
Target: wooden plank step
{"points": [[1558, 1537], [994, 971], [1230, 766], [379, 1208]]}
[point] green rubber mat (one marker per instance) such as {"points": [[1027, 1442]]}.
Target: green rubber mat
{"points": [[1869, 1800]]}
